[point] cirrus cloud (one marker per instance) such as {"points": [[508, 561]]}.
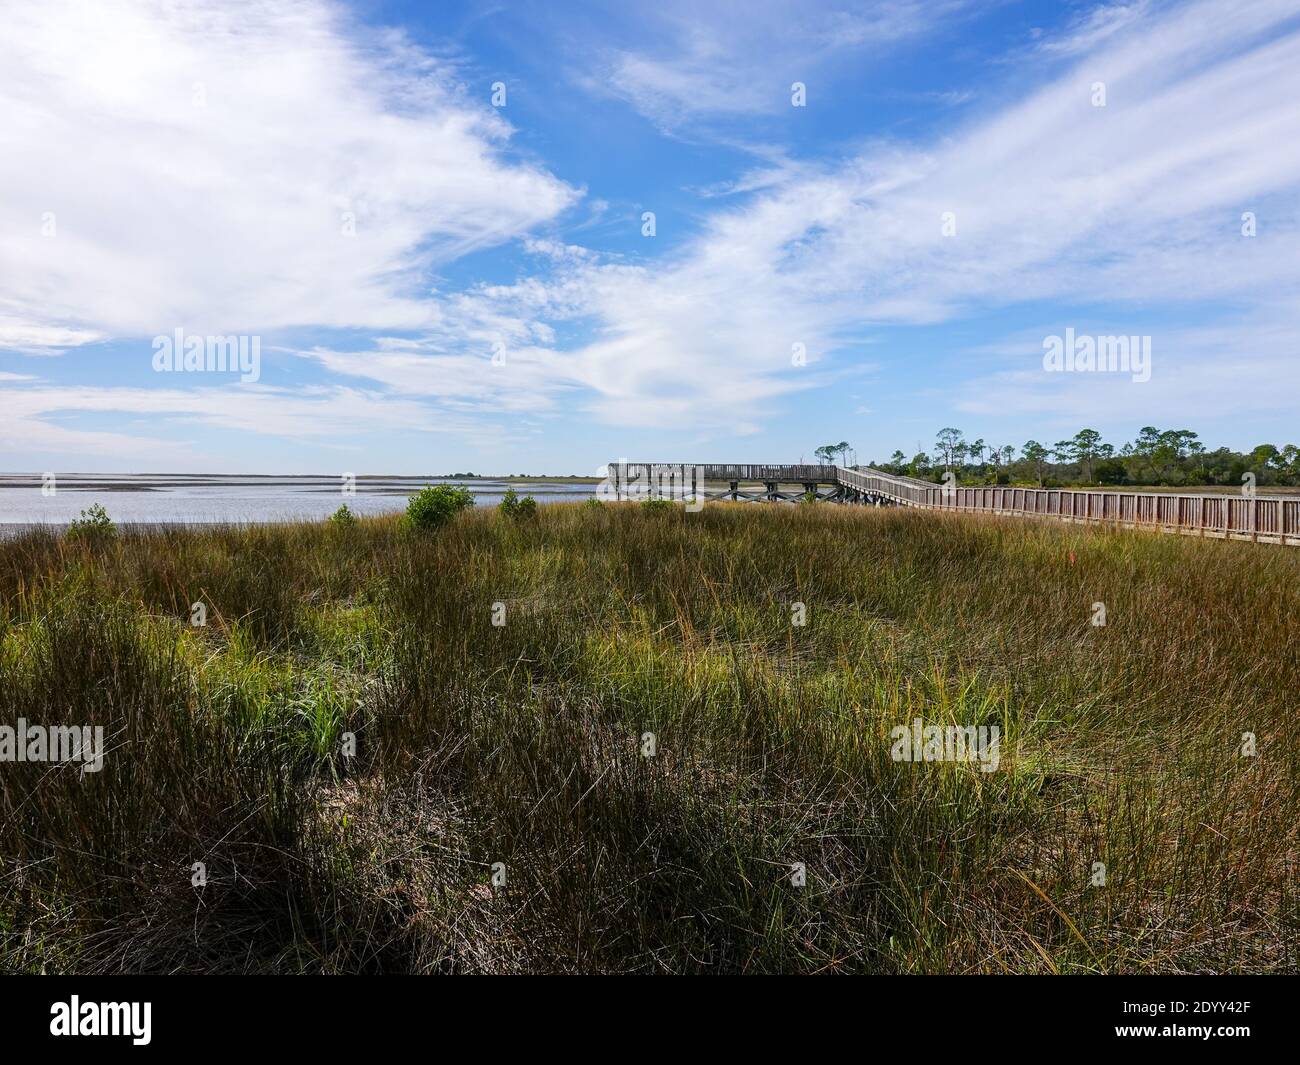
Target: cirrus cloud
{"points": [[236, 168]]}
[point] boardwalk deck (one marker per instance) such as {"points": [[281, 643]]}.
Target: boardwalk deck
{"points": [[1262, 519]]}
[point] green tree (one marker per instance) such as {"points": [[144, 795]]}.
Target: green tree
{"points": [[1111, 471], [1289, 461], [1063, 451], [1148, 439], [1036, 455], [827, 452], [1084, 446], [948, 440], [1264, 457]]}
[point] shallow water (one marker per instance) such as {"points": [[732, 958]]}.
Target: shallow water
{"points": [[200, 499]]}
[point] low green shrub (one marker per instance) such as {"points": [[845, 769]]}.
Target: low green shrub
{"points": [[435, 505], [94, 524], [517, 509]]}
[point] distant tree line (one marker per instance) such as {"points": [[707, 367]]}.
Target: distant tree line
{"points": [[1170, 457]]}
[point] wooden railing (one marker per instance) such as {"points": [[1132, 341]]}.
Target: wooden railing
{"points": [[1270, 519], [1274, 519]]}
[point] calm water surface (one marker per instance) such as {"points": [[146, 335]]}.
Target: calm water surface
{"points": [[176, 498]]}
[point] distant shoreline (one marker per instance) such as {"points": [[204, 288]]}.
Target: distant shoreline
{"points": [[211, 500], [143, 482]]}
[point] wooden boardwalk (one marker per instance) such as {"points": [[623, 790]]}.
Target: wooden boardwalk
{"points": [[1258, 518]]}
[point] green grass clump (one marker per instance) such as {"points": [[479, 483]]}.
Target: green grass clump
{"points": [[648, 727]]}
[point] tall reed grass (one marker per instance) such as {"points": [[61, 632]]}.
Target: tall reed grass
{"points": [[499, 812]]}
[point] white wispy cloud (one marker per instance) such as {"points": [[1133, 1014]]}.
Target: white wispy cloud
{"points": [[233, 168], [1092, 27], [1134, 208], [1136, 205], [318, 413], [694, 60]]}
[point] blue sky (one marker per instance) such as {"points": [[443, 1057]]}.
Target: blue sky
{"points": [[335, 180]]}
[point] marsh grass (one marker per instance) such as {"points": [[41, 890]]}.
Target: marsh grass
{"points": [[521, 744]]}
